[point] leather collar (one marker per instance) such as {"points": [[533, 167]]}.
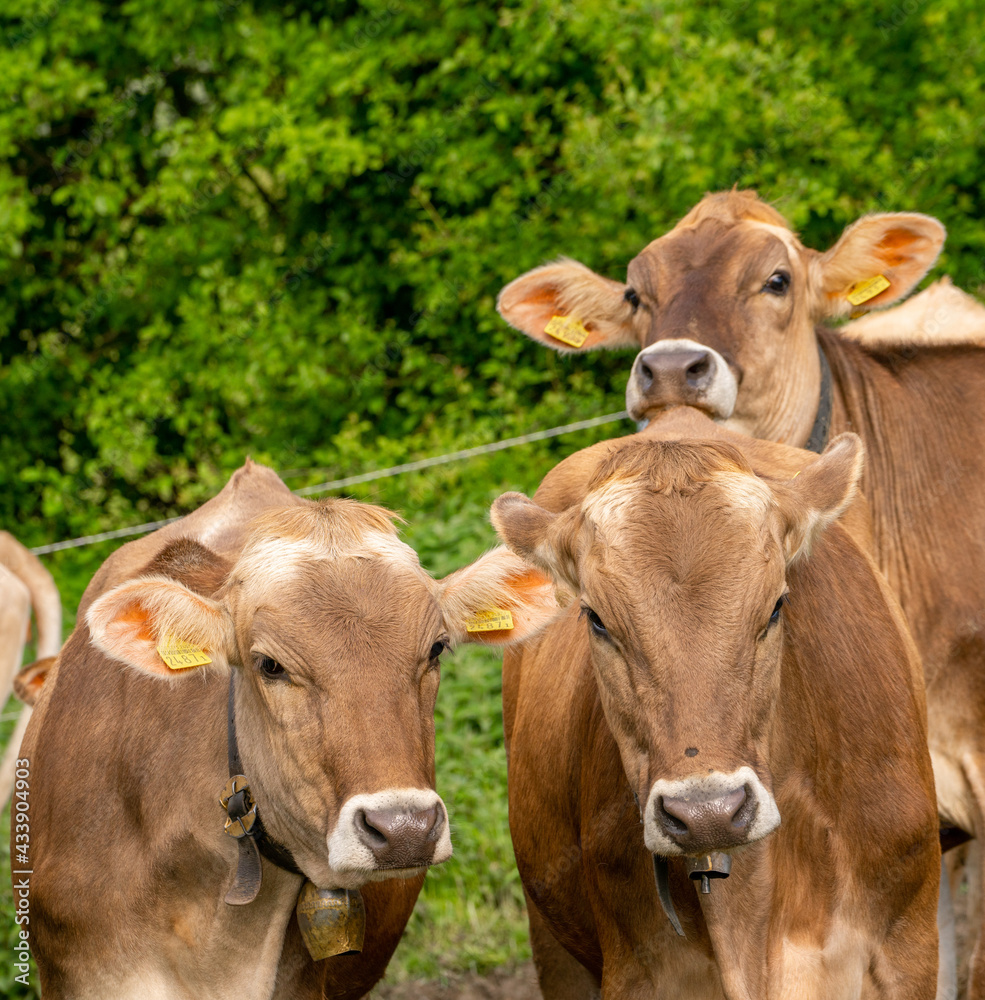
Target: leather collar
{"points": [[245, 824], [822, 422]]}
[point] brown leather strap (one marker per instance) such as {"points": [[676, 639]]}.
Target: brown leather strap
{"points": [[244, 815], [249, 874]]}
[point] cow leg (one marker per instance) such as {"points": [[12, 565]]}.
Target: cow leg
{"points": [[947, 967], [15, 617], [560, 974], [9, 764], [972, 764]]}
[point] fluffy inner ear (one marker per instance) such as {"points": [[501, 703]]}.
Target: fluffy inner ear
{"points": [[498, 581], [816, 497], [900, 246], [538, 536], [132, 620], [569, 289], [31, 679]]}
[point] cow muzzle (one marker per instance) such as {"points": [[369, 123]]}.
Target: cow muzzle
{"points": [[709, 812], [396, 833], [680, 373]]}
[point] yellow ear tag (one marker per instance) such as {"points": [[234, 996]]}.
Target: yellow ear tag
{"points": [[862, 291], [493, 620], [179, 655], [566, 329]]}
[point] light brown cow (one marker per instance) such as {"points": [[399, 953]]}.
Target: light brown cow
{"points": [[734, 662], [24, 584], [328, 632], [725, 308]]}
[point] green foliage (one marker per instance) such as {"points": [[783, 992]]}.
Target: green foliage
{"points": [[244, 227]]}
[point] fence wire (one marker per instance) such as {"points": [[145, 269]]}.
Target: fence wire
{"points": [[363, 477]]}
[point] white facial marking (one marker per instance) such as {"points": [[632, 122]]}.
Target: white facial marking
{"points": [[353, 861], [718, 396], [766, 820], [277, 559], [746, 492]]}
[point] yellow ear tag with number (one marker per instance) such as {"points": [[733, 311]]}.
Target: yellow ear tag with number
{"points": [[862, 291], [566, 329], [179, 655], [493, 620]]}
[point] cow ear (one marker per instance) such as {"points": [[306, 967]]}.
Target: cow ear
{"points": [[878, 260], [139, 620], [583, 310], [31, 679], [498, 589], [817, 496], [539, 536]]}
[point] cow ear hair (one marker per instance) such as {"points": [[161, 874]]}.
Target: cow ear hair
{"points": [[818, 495], [569, 290], [900, 247], [30, 679], [132, 621], [497, 582]]}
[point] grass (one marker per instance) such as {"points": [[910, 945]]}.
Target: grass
{"points": [[470, 914]]}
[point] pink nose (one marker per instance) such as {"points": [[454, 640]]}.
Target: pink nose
{"points": [[400, 839], [700, 824], [666, 378]]}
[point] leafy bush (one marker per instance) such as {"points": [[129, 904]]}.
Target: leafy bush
{"points": [[245, 227]]}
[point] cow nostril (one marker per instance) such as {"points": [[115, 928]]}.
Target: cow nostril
{"points": [[674, 825], [373, 837], [646, 375], [436, 824], [699, 371], [745, 811]]}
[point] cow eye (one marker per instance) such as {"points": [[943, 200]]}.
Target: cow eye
{"points": [[269, 667], [632, 298], [777, 283], [595, 624], [437, 649], [775, 617]]}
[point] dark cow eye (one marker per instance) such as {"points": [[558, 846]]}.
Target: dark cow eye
{"points": [[632, 298], [777, 283], [595, 624], [437, 649], [269, 667], [775, 617]]}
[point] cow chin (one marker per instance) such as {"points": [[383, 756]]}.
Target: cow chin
{"points": [[708, 812], [395, 833], [680, 373]]}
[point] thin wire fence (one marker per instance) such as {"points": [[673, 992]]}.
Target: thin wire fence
{"points": [[363, 477]]}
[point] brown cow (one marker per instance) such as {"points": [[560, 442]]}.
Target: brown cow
{"points": [[326, 630], [725, 308], [791, 735], [24, 584]]}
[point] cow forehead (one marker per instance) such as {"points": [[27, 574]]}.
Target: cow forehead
{"points": [[360, 608], [716, 247], [691, 527]]}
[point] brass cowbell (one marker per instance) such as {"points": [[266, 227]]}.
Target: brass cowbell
{"points": [[332, 921]]}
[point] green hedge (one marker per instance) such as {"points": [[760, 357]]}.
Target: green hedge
{"points": [[241, 227], [278, 229]]}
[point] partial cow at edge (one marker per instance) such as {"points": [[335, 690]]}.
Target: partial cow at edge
{"points": [[293, 643], [734, 680], [25, 585], [727, 312]]}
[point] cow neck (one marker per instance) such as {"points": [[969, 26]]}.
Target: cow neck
{"points": [[252, 838], [822, 422]]}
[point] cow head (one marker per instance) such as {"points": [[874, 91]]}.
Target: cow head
{"points": [[722, 308], [679, 555], [334, 633]]}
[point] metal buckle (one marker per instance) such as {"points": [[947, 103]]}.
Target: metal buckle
{"points": [[238, 802]]}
